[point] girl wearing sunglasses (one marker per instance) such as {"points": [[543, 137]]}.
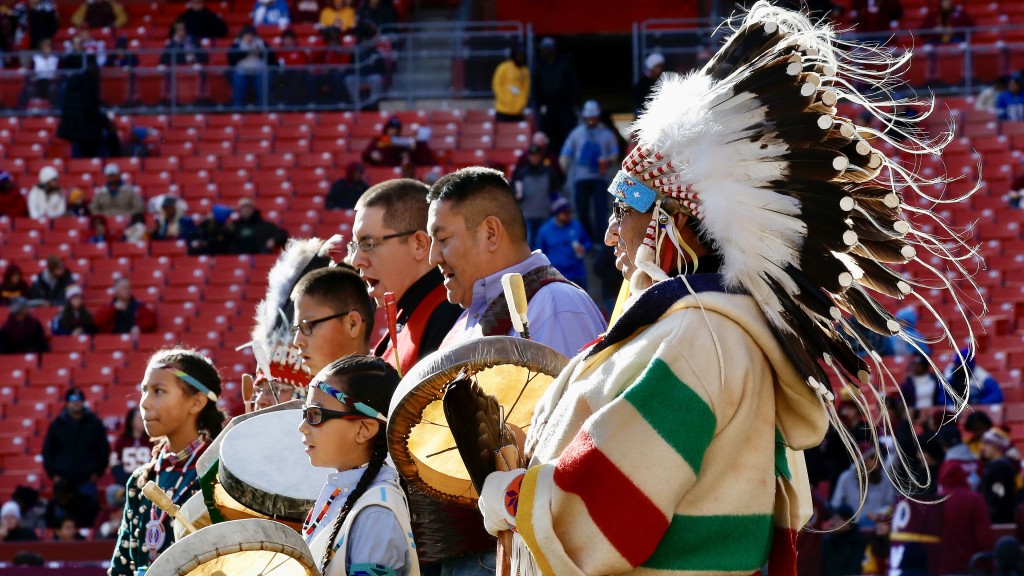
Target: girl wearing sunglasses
{"points": [[360, 522]]}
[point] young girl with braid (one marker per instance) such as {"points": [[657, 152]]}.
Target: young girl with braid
{"points": [[360, 523], [179, 410]]}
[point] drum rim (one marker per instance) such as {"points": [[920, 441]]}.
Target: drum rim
{"points": [[427, 380]]}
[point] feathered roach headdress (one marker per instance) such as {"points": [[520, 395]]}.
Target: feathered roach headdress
{"points": [[807, 216], [276, 358]]}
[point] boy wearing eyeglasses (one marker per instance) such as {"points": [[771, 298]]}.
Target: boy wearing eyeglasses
{"points": [[333, 317]]}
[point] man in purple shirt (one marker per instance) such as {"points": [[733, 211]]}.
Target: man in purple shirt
{"points": [[478, 234]]}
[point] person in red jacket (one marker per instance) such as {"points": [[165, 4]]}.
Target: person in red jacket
{"points": [[12, 202], [966, 528], [125, 314]]}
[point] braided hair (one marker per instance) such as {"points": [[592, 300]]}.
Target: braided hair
{"points": [[372, 381]]}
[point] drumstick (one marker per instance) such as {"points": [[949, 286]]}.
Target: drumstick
{"points": [[163, 502], [515, 295], [391, 313], [506, 459]]}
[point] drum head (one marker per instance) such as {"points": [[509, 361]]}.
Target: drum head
{"points": [[264, 468], [516, 371], [238, 548]]}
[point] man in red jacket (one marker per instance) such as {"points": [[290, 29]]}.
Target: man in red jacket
{"points": [[125, 314], [12, 203], [966, 528]]}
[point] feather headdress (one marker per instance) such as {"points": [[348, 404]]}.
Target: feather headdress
{"points": [[275, 356], [807, 215]]}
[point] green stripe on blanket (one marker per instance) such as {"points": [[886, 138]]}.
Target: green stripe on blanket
{"points": [[714, 544], [679, 415]]}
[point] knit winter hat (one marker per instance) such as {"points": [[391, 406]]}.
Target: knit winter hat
{"points": [[997, 438], [10, 509]]}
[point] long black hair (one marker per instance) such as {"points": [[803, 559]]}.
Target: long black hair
{"points": [[211, 419], [372, 381]]}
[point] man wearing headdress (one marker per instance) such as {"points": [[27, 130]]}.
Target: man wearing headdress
{"points": [[672, 445]]}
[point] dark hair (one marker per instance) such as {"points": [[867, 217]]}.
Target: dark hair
{"points": [[372, 381], [289, 33], [480, 192], [341, 289], [975, 419], [126, 431], [403, 200], [192, 362]]}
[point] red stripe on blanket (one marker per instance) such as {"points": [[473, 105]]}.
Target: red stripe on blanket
{"points": [[626, 517], [782, 561]]}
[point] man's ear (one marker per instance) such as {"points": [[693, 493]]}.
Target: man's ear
{"points": [[420, 246], [491, 233]]}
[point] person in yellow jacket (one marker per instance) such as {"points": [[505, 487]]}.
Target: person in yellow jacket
{"points": [[99, 14], [511, 85]]}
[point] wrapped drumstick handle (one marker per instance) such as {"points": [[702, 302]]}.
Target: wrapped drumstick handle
{"points": [[515, 296], [391, 313], [163, 502]]}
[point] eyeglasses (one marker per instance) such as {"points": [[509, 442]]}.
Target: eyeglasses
{"points": [[368, 244], [619, 210], [315, 415], [265, 386], [306, 326]]}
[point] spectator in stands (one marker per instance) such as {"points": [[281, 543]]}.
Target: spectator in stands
{"points": [[66, 531], [843, 545], [345, 191], [548, 155], [212, 236], [80, 48], [249, 58], [73, 319], [306, 12], [132, 449], [182, 49], [966, 527], [555, 91], [46, 199], [536, 184], [201, 22], [900, 347], [99, 230], [125, 314], [33, 511], [654, 65], [136, 146], [136, 230], [985, 101], [76, 451], [82, 122], [973, 380], [12, 202], [13, 285], [391, 149], [511, 85], [43, 82], [880, 494], [77, 206], [565, 242], [945, 18], [271, 13], [921, 388], [171, 222], [999, 481], [116, 197], [11, 529], [121, 57], [378, 12], [292, 82], [340, 15], [99, 14], [976, 424], [1010, 102], [369, 69], [874, 15], [251, 234], [589, 151], [40, 20], [52, 283]]}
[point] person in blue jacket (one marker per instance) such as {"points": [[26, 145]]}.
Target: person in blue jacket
{"points": [[271, 13], [981, 387], [564, 241]]}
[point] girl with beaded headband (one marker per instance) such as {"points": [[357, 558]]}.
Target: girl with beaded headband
{"points": [[360, 522], [755, 223], [179, 408]]}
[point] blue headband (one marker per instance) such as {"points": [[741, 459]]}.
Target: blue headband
{"points": [[188, 380], [344, 399], [632, 191]]}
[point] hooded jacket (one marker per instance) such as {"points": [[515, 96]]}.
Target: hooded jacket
{"points": [[76, 449], [966, 529]]}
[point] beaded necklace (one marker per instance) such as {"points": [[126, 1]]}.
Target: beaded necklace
{"points": [[155, 532], [307, 527]]}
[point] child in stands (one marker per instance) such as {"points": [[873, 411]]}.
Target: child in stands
{"points": [[179, 406], [367, 531], [333, 317]]}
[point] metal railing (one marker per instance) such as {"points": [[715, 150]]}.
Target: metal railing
{"points": [[407, 62], [687, 44]]}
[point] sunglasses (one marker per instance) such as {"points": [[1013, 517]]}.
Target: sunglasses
{"points": [[315, 415]]}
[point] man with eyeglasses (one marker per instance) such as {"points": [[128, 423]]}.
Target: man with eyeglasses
{"points": [[478, 234], [333, 317], [390, 250]]}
